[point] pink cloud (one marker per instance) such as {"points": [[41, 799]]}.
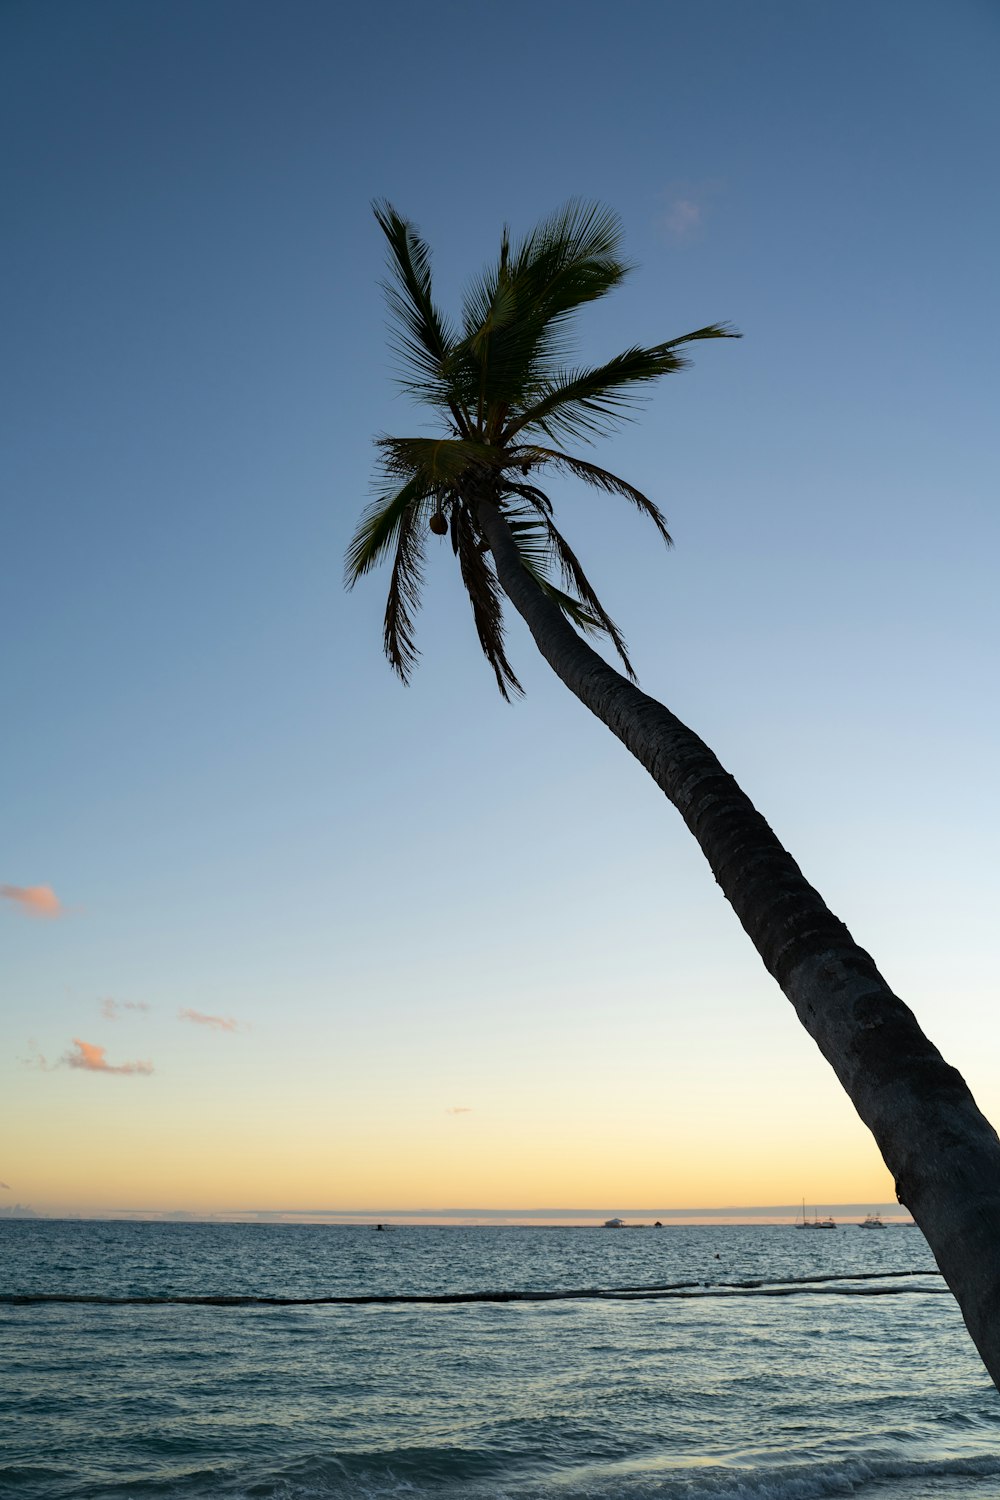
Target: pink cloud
{"points": [[459, 1109], [220, 1023], [112, 1009], [33, 900], [92, 1059]]}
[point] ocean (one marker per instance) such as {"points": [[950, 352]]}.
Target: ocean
{"points": [[718, 1363]]}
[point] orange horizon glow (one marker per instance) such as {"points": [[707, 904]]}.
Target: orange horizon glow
{"points": [[229, 1170]]}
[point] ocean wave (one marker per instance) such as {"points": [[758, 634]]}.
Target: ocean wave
{"points": [[468, 1474], [975, 1478], [845, 1284]]}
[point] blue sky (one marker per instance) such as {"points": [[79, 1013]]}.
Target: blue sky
{"points": [[466, 947]]}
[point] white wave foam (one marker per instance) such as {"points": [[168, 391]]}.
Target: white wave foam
{"points": [[973, 1478]]}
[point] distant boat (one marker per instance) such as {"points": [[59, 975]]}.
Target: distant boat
{"points": [[872, 1221], [816, 1223]]}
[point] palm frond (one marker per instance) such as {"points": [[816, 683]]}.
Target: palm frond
{"points": [[530, 492], [593, 474], [379, 529], [423, 338], [571, 258], [710, 331], [578, 614], [490, 307], [542, 547], [516, 313], [589, 402], [538, 558], [493, 351], [485, 596], [441, 461], [532, 541], [577, 579], [403, 601]]}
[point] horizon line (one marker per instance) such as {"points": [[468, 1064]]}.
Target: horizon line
{"points": [[779, 1211]]}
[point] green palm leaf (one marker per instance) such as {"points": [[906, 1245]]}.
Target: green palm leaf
{"points": [[541, 546], [577, 578], [599, 478], [570, 259], [588, 403], [423, 338], [515, 314], [426, 339], [406, 579], [440, 461], [379, 527], [485, 597]]}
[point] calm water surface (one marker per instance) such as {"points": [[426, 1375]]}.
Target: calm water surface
{"points": [[866, 1384]]}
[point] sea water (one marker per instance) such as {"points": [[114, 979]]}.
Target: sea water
{"points": [[704, 1363]]}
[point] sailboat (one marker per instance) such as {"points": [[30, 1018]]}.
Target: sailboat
{"points": [[816, 1223]]}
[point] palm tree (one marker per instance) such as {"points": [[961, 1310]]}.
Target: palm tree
{"points": [[506, 403]]}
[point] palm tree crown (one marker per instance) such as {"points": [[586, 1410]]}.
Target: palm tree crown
{"points": [[507, 401]]}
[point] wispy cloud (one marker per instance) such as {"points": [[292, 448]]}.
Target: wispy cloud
{"points": [[93, 1059], [459, 1109], [686, 210], [682, 219], [5, 1186], [217, 1023], [112, 1009], [33, 900]]}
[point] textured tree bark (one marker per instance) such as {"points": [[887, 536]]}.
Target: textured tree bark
{"points": [[943, 1153]]}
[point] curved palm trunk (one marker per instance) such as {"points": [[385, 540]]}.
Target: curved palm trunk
{"points": [[942, 1152]]}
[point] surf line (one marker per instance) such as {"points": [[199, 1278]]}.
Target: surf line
{"points": [[801, 1285]]}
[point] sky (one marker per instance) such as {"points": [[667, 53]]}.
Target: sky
{"points": [[279, 935]]}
